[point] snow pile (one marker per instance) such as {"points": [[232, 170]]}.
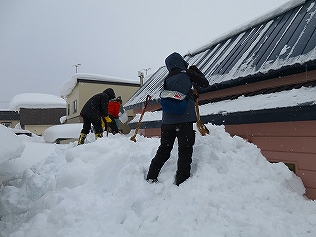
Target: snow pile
{"points": [[98, 189], [36, 101], [10, 146], [35, 150]]}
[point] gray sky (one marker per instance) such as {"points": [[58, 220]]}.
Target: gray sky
{"points": [[41, 40]]}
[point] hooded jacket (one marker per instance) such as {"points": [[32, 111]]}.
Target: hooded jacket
{"points": [[97, 105], [181, 79]]}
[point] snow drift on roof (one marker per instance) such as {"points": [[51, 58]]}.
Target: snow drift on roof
{"points": [[36, 101], [69, 85]]}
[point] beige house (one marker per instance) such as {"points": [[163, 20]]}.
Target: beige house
{"points": [[82, 87]]}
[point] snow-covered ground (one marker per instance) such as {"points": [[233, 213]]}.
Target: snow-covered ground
{"points": [[98, 189]]}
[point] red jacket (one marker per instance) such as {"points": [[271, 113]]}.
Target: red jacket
{"points": [[114, 108]]}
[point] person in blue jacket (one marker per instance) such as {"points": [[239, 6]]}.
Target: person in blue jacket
{"points": [[180, 79]]}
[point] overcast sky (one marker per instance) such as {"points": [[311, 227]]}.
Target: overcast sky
{"points": [[40, 41]]}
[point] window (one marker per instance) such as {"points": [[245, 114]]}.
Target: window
{"points": [[7, 124], [68, 109], [75, 106]]}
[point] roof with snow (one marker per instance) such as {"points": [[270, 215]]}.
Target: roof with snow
{"points": [[69, 85], [279, 43], [36, 101]]}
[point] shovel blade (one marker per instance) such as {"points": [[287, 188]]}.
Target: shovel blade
{"points": [[133, 138], [202, 128]]}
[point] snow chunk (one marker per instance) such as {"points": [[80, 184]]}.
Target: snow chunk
{"points": [[10, 146]]}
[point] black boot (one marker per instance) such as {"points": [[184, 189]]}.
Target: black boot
{"points": [[180, 178]]}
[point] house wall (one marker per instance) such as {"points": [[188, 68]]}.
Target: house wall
{"points": [[36, 129], [12, 123], [83, 91], [288, 142], [37, 120]]}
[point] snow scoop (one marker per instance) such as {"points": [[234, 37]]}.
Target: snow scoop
{"points": [[133, 138], [200, 126]]}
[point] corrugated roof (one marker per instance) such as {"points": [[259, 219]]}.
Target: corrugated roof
{"points": [[279, 45]]}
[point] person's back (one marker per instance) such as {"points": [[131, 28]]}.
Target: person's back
{"points": [[175, 125]]}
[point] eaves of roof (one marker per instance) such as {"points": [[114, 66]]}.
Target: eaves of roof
{"points": [[283, 44], [108, 82], [304, 112]]}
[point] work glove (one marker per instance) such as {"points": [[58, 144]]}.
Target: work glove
{"points": [[108, 119], [194, 68]]}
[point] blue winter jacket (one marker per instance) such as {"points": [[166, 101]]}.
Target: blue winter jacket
{"points": [[181, 82]]}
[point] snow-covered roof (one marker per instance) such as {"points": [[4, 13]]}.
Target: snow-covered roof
{"points": [[259, 20], [36, 101], [268, 47], [69, 85]]}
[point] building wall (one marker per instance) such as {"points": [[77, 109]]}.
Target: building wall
{"points": [[83, 91], [290, 142], [12, 123], [36, 129]]}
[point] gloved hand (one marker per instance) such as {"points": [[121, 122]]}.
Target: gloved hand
{"points": [[194, 68], [108, 119]]}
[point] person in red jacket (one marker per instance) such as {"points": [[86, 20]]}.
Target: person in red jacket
{"points": [[113, 111]]}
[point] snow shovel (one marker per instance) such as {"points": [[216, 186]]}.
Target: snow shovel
{"points": [[200, 126], [133, 138]]}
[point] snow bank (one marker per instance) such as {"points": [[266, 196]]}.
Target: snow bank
{"points": [[52, 133], [98, 189]]}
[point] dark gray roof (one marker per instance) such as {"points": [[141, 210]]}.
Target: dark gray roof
{"points": [[280, 45], [9, 115]]}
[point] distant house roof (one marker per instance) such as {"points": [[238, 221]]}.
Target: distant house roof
{"points": [[9, 115], [69, 85], [277, 44], [36, 101]]}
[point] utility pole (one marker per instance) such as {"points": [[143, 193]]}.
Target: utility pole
{"points": [[76, 65]]}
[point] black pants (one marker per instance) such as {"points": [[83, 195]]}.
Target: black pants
{"points": [[112, 125], [186, 137], [95, 121]]}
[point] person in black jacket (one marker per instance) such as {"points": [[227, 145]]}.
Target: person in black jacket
{"points": [[180, 126], [93, 112]]}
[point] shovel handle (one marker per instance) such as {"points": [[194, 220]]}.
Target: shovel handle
{"points": [[133, 138]]}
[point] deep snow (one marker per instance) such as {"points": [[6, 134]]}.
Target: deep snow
{"points": [[98, 189]]}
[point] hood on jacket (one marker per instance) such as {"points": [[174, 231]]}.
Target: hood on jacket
{"points": [[110, 92], [175, 60]]}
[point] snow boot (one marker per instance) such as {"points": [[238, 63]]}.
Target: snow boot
{"points": [[82, 138], [98, 135]]}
